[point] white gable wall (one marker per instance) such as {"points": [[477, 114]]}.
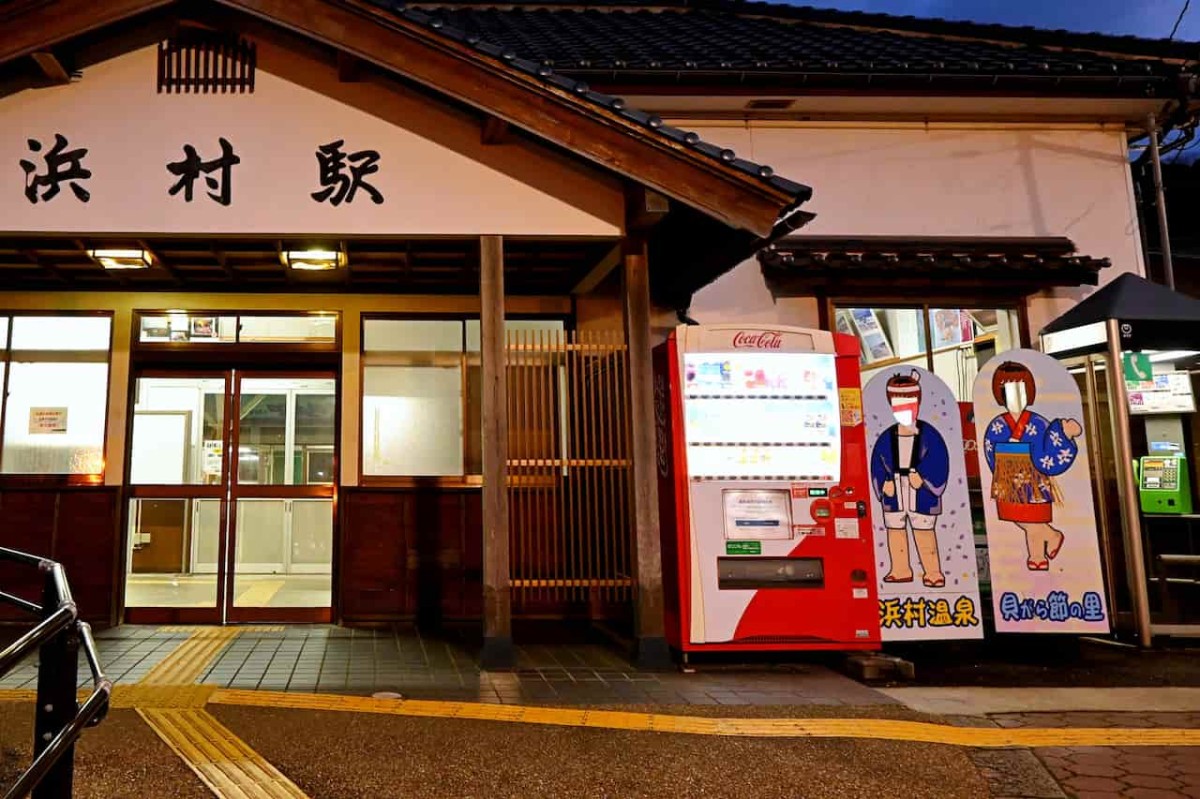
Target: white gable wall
{"points": [[938, 181]]}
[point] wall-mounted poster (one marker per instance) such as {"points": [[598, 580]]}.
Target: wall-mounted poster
{"points": [[951, 327], [924, 547], [1041, 528], [874, 341], [204, 327]]}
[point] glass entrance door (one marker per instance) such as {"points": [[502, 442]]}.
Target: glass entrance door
{"points": [[281, 527], [232, 497]]}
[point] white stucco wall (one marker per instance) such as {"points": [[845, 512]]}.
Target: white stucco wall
{"points": [[947, 181]]}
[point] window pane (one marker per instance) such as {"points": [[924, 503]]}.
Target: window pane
{"points": [[3, 331], [60, 332], [177, 431], [173, 545], [181, 327], [284, 551], [549, 326], [966, 339], [297, 329], [282, 421], [412, 421], [55, 418], [886, 334], [313, 459], [409, 335]]}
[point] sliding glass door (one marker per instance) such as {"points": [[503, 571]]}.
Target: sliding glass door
{"points": [[232, 497]]}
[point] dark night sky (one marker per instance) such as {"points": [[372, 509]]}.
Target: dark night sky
{"points": [[1149, 18]]}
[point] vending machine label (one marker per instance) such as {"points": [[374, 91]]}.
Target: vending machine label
{"points": [[846, 528], [850, 402], [763, 514], [743, 547]]}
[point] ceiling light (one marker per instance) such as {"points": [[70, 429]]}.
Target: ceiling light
{"points": [[121, 258], [313, 260]]}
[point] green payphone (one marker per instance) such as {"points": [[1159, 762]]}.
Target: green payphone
{"points": [[1163, 484], [1160, 394]]}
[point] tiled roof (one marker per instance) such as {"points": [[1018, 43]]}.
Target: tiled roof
{"points": [[811, 260], [762, 38], [448, 26]]}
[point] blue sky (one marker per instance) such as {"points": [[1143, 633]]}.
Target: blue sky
{"points": [[1149, 18]]}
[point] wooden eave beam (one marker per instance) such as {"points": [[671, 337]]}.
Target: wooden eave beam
{"points": [[894, 285], [30, 28], [600, 135]]}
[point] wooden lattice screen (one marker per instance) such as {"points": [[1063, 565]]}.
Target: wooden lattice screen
{"points": [[196, 61], [568, 467]]}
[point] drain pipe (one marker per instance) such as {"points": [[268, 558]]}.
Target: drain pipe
{"points": [[1164, 236]]}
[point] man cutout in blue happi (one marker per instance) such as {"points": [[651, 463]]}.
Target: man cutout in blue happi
{"points": [[910, 467]]}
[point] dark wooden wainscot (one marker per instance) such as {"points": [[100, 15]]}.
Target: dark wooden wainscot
{"points": [[77, 526], [411, 554]]}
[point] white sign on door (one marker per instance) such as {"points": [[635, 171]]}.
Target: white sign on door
{"points": [[43, 421]]}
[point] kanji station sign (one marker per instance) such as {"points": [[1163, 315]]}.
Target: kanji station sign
{"points": [[109, 154]]}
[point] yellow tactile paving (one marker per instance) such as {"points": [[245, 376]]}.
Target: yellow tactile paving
{"points": [[161, 696], [211, 630], [191, 658], [18, 695], [219, 758], [879, 729], [157, 697], [260, 594]]}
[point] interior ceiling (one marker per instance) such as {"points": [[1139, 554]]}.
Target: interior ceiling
{"points": [[375, 265]]}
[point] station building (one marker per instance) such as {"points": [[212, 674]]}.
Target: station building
{"points": [[338, 310]]}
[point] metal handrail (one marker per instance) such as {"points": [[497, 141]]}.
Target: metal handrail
{"points": [[60, 621]]}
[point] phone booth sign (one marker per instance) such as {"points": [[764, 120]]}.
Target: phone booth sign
{"points": [[763, 490]]}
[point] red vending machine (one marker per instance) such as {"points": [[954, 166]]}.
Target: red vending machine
{"points": [[763, 490]]}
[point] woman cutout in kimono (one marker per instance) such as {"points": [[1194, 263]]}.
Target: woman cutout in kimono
{"points": [[1025, 452], [910, 467]]}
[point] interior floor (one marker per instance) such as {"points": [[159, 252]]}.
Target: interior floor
{"points": [[249, 590]]}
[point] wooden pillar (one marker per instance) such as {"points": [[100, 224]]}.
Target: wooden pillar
{"points": [[652, 651], [497, 601]]}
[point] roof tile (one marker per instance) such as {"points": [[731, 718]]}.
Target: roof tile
{"points": [[721, 39], [512, 54]]}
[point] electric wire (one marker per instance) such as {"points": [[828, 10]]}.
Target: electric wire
{"points": [[1179, 19]]}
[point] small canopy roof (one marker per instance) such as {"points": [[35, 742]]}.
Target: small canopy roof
{"points": [[1152, 316], [1129, 298]]}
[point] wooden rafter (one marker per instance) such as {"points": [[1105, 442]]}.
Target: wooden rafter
{"points": [[495, 131], [50, 67]]}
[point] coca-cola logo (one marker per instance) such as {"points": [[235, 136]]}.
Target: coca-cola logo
{"points": [[762, 340]]}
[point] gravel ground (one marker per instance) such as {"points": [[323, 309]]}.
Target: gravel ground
{"points": [[122, 758], [363, 756]]}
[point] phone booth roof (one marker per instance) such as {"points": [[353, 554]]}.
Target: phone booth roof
{"points": [[1151, 317]]}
